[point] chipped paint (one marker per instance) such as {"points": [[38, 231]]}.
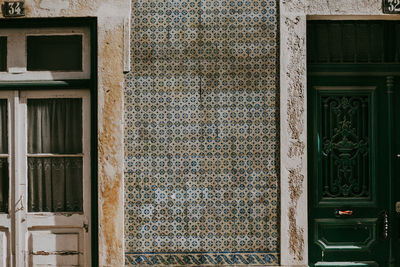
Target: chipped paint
{"points": [[58, 253], [296, 240], [296, 148], [296, 88], [295, 185], [296, 123]]}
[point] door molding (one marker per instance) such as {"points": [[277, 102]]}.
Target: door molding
{"points": [[293, 111]]}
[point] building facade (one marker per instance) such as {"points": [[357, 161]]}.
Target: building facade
{"points": [[198, 133]]}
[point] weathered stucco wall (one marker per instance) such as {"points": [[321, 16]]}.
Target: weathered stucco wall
{"points": [[111, 15], [201, 139], [293, 111], [215, 52]]}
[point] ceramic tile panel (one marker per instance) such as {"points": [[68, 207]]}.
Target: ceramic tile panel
{"points": [[201, 134]]}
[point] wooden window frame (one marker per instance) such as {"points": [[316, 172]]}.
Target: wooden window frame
{"points": [[17, 65]]}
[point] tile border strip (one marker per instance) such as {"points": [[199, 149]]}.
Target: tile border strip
{"points": [[202, 258]]}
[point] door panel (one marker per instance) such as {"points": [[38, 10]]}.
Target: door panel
{"points": [[355, 234], [56, 247], [56, 178], [344, 144], [4, 246], [46, 223], [348, 174]]}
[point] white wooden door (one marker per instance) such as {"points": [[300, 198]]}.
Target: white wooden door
{"points": [[7, 163], [48, 222]]}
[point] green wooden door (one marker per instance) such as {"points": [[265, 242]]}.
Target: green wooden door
{"points": [[352, 194]]}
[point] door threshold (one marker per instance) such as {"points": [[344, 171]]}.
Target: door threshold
{"points": [[346, 263]]}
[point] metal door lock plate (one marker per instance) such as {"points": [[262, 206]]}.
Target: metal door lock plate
{"points": [[398, 206]]}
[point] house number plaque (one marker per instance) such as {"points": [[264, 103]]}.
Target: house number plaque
{"points": [[391, 6], [14, 9]]}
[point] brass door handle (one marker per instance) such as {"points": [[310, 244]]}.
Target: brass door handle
{"points": [[344, 212]]}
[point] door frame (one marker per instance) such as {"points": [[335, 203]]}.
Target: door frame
{"points": [[90, 84], [293, 111]]}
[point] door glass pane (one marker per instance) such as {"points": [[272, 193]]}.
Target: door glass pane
{"points": [[3, 127], [54, 181], [4, 159], [3, 184], [54, 53], [55, 184], [55, 125], [3, 53]]}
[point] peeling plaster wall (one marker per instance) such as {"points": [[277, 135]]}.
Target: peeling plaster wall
{"points": [[293, 110], [293, 141], [111, 15]]}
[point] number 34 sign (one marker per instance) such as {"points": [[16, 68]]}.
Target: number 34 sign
{"points": [[14, 9]]}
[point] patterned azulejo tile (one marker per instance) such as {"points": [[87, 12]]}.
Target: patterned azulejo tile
{"points": [[201, 139]]}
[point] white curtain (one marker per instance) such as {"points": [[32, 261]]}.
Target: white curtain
{"points": [[55, 126], [55, 183]]}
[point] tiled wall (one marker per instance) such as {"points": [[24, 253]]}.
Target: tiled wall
{"points": [[201, 133]]}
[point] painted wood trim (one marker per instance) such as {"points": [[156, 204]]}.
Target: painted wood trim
{"points": [[17, 59]]}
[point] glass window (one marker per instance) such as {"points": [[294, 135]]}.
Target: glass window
{"points": [[54, 53], [55, 155], [3, 53], [3, 156]]}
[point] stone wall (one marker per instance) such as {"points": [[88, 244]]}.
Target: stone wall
{"points": [[201, 133]]}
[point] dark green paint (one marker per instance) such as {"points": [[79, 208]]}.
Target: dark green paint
{"points": [[358, 237], [349, 54]]}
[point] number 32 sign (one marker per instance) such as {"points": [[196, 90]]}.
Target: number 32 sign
{"points": [[13, 9], [391, 6]]}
